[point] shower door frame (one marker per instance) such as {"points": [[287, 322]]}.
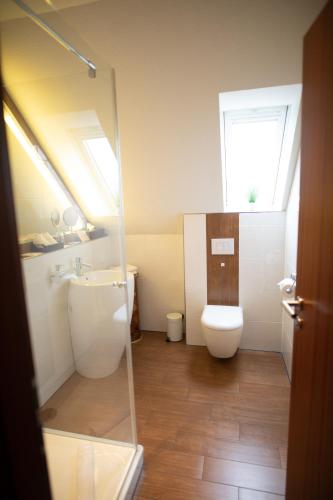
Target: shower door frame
{"points": [[24, 474]]}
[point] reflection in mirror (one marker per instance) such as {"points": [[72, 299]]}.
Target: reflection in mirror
{"points": [[99, 153], [48, 217], [71, 217]]}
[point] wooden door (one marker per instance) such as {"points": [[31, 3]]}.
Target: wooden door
{"points": [[310, 455], [23, 471]]}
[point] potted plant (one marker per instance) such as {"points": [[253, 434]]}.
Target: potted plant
{"points": [[252, 197]]}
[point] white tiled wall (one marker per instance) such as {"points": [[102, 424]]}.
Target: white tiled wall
{"points": [[261, 259], [47, 310], [290, 264]]}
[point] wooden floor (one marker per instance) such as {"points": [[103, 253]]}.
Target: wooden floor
{"points": [[211, 429], [94, 407]]}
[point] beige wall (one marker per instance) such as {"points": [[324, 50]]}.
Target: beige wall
{"points": [[172, 58], [161, 278]]}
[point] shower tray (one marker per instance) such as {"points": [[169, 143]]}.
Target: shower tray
{"points": [[82, 467]]}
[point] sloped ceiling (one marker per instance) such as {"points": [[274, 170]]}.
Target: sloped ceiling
{"points": [[172, 58], [51, 88], [9, 10]]}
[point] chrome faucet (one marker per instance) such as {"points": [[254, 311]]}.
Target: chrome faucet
{"points": [[58, 273], [79, 266]]}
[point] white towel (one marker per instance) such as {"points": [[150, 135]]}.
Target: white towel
{"points": [[43, 239], [50, 240]]}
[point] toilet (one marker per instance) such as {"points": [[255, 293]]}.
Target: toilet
{"points": [[222, 328]]}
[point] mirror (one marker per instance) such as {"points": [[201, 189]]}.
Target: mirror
{"points": [[71, 216], [48, 217]]}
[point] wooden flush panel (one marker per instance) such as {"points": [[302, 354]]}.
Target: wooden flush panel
{"points": [[222, 282]]}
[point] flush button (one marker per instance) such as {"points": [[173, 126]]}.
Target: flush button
{"points": [[222, 246]]}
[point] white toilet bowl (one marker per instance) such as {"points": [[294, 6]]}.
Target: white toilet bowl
{"points": [[222, 328]]}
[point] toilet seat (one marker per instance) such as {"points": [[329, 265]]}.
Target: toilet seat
{"points": [[221, 318]]}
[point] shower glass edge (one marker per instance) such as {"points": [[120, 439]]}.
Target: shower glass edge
{"points": [[66, 109]]}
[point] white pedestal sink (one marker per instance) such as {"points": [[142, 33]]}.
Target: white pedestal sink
{"points": [[99, 321]]}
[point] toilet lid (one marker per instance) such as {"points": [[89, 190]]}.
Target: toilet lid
{"points": [[222, 317]]}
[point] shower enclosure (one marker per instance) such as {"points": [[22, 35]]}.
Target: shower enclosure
{"points": [[62, 134]]}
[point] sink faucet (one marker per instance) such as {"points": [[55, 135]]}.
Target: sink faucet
{"points": [[58, 273], [79, 266]]}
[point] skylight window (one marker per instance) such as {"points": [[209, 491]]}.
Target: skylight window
{"points": [[258, 141], [104, 160]]}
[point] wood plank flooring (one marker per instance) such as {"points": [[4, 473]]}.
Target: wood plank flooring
{"points": [[211, 429], [94, 407]]}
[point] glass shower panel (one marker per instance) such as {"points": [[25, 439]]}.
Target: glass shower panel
{"points": [[64, 154]]}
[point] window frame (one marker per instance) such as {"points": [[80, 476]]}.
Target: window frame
{"points": [[96, 132], [270, 97], [113, 193]]}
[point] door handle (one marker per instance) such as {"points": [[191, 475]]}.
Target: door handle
{"points": [[293, 307]]}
